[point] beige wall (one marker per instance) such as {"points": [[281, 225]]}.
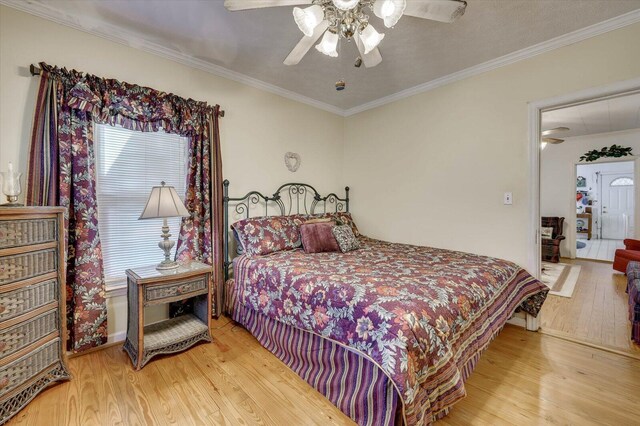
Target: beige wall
{"points": [[432, 169], [257, 130], [557, 184]]}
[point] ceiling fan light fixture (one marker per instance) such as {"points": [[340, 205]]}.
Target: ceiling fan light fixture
{"points": [[308, 19], [329, 44], [345, 4], [390, 11], [370, 38]]}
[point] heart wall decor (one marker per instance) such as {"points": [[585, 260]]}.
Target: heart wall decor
{"points": [[292, 161]]}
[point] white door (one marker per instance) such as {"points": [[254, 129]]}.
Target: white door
{"points": [[617, 206]]}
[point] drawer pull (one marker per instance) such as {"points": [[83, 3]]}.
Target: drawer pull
{"points": [[4, 382]]}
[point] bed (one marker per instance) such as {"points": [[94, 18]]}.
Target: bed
{"points": [[388, 333]]}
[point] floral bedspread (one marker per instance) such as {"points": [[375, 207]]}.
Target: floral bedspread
{"points": [[422, 314]]}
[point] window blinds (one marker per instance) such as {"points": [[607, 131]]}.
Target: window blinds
{"points": [[128, 164]]}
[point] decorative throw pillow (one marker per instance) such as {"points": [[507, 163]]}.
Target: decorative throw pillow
{"points": [[320, 220], [344, 218], [345, 237], [317, 237], [264, 235], [546, 232]]}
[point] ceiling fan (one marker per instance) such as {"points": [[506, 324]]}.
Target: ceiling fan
{"points": [[347, 19], [546, 136]]}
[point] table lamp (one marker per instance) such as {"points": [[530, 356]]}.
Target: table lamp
{"points": [[164, 202]]}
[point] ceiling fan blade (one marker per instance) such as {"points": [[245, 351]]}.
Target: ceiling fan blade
{"points": [[305, 44], [436, 10], [234, 5], [372, 58], [555, 130], [552, 140]]}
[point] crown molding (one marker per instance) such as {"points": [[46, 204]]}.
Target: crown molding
{"points": [[519, 55], [127, 38]]}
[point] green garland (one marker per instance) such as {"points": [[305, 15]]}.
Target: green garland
{"points": [[614, 150]]}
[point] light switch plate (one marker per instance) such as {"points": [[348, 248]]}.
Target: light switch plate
{"points": [[508, 198]]}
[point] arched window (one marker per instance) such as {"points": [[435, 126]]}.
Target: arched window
{"points": [[622, 181]]}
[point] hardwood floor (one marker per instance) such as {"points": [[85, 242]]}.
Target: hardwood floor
{"points": [[599, 249], [598, 311], [524, 378]]}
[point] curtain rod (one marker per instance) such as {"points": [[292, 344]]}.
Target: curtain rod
{"points": [[36, 71]]}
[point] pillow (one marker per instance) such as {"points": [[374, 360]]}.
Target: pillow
{"points": [[317, 237], [264, 235], [345, 237], [239, 247], [546, 232], [320, 220], [344, 217]]}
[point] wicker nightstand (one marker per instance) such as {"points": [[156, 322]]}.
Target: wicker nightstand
{"points": [[147, 286]]}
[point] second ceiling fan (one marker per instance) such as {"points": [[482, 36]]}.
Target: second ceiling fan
{"points": [[334, 20]]}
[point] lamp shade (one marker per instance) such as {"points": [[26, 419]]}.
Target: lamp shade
{"points": [[345, 4], [329, 44], [164, 202], [370, 38], [390, 11], [308, 19]]}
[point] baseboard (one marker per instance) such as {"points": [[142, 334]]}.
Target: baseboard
{"points": [[117, 337], [518, 319]]}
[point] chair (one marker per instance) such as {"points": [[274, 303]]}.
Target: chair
{"points": [[551, 246], [624, 256]]}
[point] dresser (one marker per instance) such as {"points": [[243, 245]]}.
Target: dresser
{"points": [[32, 304], [147, 286]]}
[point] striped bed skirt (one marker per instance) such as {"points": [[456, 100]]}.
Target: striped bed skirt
{"points": [[351, 382]]}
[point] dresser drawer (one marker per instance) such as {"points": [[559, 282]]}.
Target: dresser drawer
{"points": [[162, 293], [27, 265], [19, 371], [26, 299], [26, 232], [14, 338]]}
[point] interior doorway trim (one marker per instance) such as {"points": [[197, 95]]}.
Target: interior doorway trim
{"points": [[535, 112]]}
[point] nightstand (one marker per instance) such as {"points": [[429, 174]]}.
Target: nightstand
{"points": [[147, 286]]}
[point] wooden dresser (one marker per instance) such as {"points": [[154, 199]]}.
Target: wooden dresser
{"points": [[32, 304]]}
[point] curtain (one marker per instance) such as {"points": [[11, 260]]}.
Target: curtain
{"points": [[62, 172], [204, 199]]}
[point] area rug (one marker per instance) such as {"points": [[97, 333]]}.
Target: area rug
{"points": [[561, 278]]}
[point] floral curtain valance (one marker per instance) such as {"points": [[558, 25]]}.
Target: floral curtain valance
{"points": [[62, 172], [129, 105]]}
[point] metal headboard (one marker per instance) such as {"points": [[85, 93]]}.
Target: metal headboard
{"points": [[288, 199]]}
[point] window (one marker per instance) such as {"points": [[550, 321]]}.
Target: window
{"points": [[622, 181], [129, 163]]}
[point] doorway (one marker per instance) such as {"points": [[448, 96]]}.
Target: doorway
{"points": [[590, 304], [605, 208]]}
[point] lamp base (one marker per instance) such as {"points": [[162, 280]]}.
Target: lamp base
{"points": [[164, 265]]}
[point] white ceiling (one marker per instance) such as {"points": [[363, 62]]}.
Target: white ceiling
{"points": [[254, 43], [605, 116]]}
